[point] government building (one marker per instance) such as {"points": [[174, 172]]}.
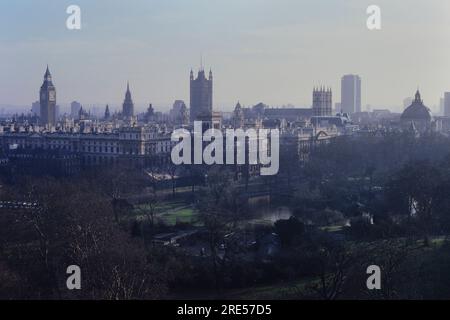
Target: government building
{"points": [[132, 144]]}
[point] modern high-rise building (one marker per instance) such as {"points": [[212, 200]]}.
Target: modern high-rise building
{"points": [[48, 101], [36, 108], [447, 104], [75, 107], [351, 94], [322, 102], [128, 105], [201, 103]]}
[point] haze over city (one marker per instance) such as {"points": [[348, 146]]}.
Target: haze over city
{"points": [[269, 51], [222, 155]]}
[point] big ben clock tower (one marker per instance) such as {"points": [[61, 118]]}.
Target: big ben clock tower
{"points": [[48, 100]]}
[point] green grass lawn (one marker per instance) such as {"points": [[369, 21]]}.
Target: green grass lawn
{"points": [[170, 213], [182, 215]]}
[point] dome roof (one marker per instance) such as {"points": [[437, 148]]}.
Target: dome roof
{"points": [[417, 110]]}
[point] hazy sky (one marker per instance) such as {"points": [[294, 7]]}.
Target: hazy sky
{"points": [[273, 51]]}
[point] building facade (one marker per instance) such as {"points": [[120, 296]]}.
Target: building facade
{"points": [[132, 145], [350, 94]]}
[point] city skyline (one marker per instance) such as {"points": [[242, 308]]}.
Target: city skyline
{"points": [[271, 60], [98, 108]]}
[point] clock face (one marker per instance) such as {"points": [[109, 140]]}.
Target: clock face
{"points": [[52, 96]]}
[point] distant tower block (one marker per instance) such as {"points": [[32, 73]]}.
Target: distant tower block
{"points": [[351, 94]]}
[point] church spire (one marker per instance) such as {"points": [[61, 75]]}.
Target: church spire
{"points": [[128, 106], [107, 113], [47, 75], [128, 92]]}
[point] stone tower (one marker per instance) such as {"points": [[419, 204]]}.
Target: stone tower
{"points": [[322, 102], [128, 105], [48, 100], [107, 113], [201, 102]]}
